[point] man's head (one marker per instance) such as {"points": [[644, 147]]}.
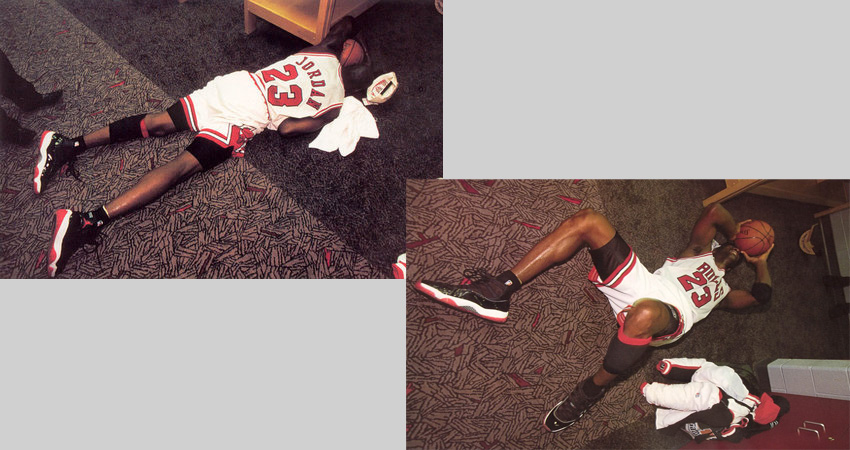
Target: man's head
{"points": [[727, 256], [357, 78]]}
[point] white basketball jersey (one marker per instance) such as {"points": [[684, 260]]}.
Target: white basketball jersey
{"points": [[699, 283], [302, 85]]}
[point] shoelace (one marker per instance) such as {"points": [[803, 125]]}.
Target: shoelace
{"points": [[477, 274], [483, 279], [94, 243], [72, 168]]}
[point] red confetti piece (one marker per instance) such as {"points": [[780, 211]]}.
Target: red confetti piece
{"points": [[518, 380], [468, 187], [422, 241], [536, 227], [574, 201]]}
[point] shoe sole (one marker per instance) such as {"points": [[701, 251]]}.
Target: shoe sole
{"points": [[63, 218], [461, 304], [399, 270], [552, 412], [47, 137]]}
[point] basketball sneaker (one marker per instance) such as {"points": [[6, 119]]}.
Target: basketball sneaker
{"points": [[486, 297], [570, 410], [400, 267], [72, 231], [54, 151]]}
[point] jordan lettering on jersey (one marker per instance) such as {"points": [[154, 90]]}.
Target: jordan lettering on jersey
{"points": [[703, 285], [302, 85], [316, 81]]}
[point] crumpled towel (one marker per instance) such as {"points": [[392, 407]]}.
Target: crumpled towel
{"points": [[354, 122]]}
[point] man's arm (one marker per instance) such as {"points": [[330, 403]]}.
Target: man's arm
{"points": [[762, 288], [714, 218], [294, 127]]}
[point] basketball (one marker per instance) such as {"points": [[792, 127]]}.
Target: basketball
{"points": [[352, 53], [755, 237]]}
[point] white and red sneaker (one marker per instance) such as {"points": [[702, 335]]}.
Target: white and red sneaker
{"points": [[71, 232]]}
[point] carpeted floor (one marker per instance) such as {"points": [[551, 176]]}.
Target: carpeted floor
{"points": [[477, 384], [283, 211]]}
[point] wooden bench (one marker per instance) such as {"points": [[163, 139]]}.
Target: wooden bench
{"points": [[307, 19]]}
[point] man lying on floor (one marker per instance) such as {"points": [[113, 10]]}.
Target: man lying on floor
{"points": [[299, 94], [714, 403], [653, 309]]}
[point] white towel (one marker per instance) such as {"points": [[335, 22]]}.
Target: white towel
{"points": [[354, 122]]}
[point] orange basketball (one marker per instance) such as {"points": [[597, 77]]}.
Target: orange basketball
{"points": [[352, 53], [754, 238]]}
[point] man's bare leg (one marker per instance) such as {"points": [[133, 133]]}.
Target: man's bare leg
{"points": [[74, 229], [489, 297], [55, 150], [585, 228], [153, 184], [647, 318]]}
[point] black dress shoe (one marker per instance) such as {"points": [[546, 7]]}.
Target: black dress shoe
{"points": [[11, 131], [40, 101]]}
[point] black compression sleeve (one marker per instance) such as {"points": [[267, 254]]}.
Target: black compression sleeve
{"points": [[762, 292]]}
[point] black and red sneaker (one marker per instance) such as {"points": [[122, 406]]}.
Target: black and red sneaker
{"points": [[486, 297], [54, 150], [570, 410], [71, 232]]}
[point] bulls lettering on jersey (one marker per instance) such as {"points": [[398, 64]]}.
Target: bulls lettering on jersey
{"points": [[703, 285], [302, 85]]}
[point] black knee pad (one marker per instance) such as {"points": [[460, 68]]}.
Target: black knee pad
{"points": [[207, 153], [178, 117], [623, 352], [127, 128]]}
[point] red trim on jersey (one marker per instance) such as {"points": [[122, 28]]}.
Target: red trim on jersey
{"points": [[632, 260], [617, 275], [215, 137], [675, 333], [628, 340], [317, 54], [189, 110], [672, 259]]}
